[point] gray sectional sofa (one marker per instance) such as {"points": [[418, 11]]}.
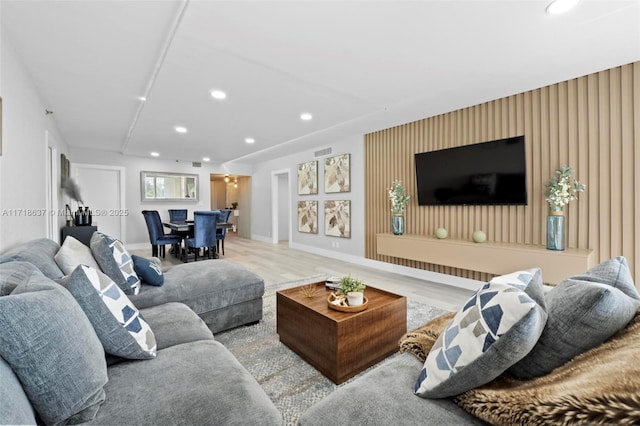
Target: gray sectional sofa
{"points": [[191, 378], [578, 366]]}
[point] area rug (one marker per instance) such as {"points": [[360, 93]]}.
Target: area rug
{"points": [[291, 383]]}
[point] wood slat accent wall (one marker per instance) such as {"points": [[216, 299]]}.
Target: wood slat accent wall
{"points": [[591, 123]]}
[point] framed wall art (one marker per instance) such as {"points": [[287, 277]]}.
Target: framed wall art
{"points": [[308, 217], [308, 178], [337, 218], [337, 174]]}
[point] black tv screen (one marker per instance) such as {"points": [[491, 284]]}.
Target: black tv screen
{"points": [[488, 173]]}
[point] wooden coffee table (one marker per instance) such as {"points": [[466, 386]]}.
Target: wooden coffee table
{"points": [[340, 344]]}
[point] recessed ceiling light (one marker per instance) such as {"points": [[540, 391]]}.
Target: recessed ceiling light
{"points": [[249, 140], [206, 159], [218, 94], [560, 6], [155, 154], [306, 116], [142, 98], [180, 129]]}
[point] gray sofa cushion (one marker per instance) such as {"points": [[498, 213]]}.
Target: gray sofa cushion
{"points": [[384, 396], [115, 261], [14, 273], [203, 286], [175, 324], [117, 322], [40, 253], [53, 349], [15, 408], [584, 311], [169, 390]]}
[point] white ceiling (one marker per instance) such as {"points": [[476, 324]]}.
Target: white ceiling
{"points": [[357, 66]]}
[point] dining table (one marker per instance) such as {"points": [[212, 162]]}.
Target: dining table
{"points": [[186, 228]]}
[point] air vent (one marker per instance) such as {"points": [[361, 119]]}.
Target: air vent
{"points": [[196, 164], [322, 152]]}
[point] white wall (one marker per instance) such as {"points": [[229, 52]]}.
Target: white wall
{"points": [[136, 229], [261, 199], [24, 153], [283, 205], [1, 131]]}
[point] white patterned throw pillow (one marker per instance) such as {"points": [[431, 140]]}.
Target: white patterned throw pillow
{"points": [[115, 261], [119, 325], [494, 329], [73, 253]]}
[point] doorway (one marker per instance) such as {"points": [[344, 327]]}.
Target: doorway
{"points": [[102, 189], [233, 192], [280, 206], [52, 184]]}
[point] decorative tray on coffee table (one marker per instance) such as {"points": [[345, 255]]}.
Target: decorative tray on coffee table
{"points": [[341, 308]]}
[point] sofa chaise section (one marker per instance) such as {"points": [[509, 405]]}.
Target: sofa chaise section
{"points": [[195, 383], [193, 379], [383, 396], [223, 294]]}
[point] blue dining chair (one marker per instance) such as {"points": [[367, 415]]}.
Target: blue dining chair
{"points": [[222, 232], [204, 234], [157, 237], [177, 215]]}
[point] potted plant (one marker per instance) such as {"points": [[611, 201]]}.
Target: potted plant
{"points": [[559, 191], [399, 200], [354, 290]]}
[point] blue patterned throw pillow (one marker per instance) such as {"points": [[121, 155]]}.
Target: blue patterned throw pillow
{"points": [[115, 261], [494, 329], [119, 326], [149, 271]]}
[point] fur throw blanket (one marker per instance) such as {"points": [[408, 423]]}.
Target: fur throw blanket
{"points": [[420, 340], [600, 386]]}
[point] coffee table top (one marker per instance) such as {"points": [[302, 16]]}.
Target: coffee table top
{"points": [[376, 297]]}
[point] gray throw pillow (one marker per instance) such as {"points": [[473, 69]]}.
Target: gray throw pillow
{"points": [[584, 311], [53, 349], [115, 261], [119, 325], [38, 252], [495, 329]]}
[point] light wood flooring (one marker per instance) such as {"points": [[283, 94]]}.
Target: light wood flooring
{"points": [[277, 263]]}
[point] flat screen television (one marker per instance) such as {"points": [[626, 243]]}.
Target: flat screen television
{"points": [[488, 173]]}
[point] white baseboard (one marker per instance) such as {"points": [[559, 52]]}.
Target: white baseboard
{"points": [[138, 246], [421, 274], [261, 238]]}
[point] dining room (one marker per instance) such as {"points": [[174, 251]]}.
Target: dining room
{"points": [[230, 191]]}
